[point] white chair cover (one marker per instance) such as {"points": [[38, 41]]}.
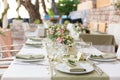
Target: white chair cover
{"points": [[40, 31], [17, 29], [118, 53], [73, 33], [114, 29]]}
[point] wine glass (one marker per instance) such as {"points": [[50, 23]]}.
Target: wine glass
{"points": [[86, 49], [83, 49]]}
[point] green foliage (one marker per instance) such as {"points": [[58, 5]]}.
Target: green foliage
{"points": [[5, 11], [64, 7], [50, 12], [18, 7], [37, 21], [8, 27], [117, 5], [2, 33]]}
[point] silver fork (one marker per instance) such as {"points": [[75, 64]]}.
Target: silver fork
{"points": [[97, 69]]}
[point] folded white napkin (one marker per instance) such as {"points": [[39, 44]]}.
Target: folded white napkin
{"points": [[34, 44], [104, 56], [36, 39], [74, 66], [77, 69]]}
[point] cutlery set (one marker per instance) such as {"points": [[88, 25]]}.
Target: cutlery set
{"points": [[96, 68]]}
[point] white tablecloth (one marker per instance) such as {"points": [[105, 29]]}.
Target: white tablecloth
{"points": [[18, 71], [39, 72]]}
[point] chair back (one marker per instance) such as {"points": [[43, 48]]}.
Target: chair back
{"points": [[6, 39], [93, 26], [17, 29], [102, 27]]}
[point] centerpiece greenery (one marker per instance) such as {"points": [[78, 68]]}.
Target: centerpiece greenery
{"points": [[117, 5]]}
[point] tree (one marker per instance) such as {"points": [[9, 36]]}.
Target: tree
{"points": [[66, 6], [44, 6], [54, 7], [33, 9]]}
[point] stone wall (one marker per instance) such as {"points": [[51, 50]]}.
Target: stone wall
{"points": [[105, 14]]}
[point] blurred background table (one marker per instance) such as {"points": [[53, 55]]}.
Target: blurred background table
{"points": [[103, 42]]}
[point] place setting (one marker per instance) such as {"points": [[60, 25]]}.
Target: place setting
{"points": [[34, 44], [107, 57], [38, 39], [31, 59], [77, 68], [73, 67]]}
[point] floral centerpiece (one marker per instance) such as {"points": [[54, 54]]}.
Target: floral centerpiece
{"points": [[59, 33]]}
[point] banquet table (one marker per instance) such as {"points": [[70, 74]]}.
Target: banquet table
{"points": [[28, 71], [101, 41]]}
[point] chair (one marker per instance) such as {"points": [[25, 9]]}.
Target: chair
{"points": [[114, 29], [7, 56], [102, 27], [6, 43], [17, 29], [93, 26], [118, 52], [29, 30], [7, 49], [5, 59]]}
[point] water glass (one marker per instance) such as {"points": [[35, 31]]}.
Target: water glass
{"points": [[83, 48]]}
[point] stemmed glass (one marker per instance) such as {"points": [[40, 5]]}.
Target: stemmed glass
{"points": [[54, 52], [49, 49], [83, 49], [86, 49]]}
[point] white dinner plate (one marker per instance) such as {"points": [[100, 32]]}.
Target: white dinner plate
{"points": [[29, 60], [103, 60], [34, 44], [63, 68], [36, 39]]}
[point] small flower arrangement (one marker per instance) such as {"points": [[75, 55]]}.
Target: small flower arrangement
{"points": [[59, 33], [81, 29]]}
